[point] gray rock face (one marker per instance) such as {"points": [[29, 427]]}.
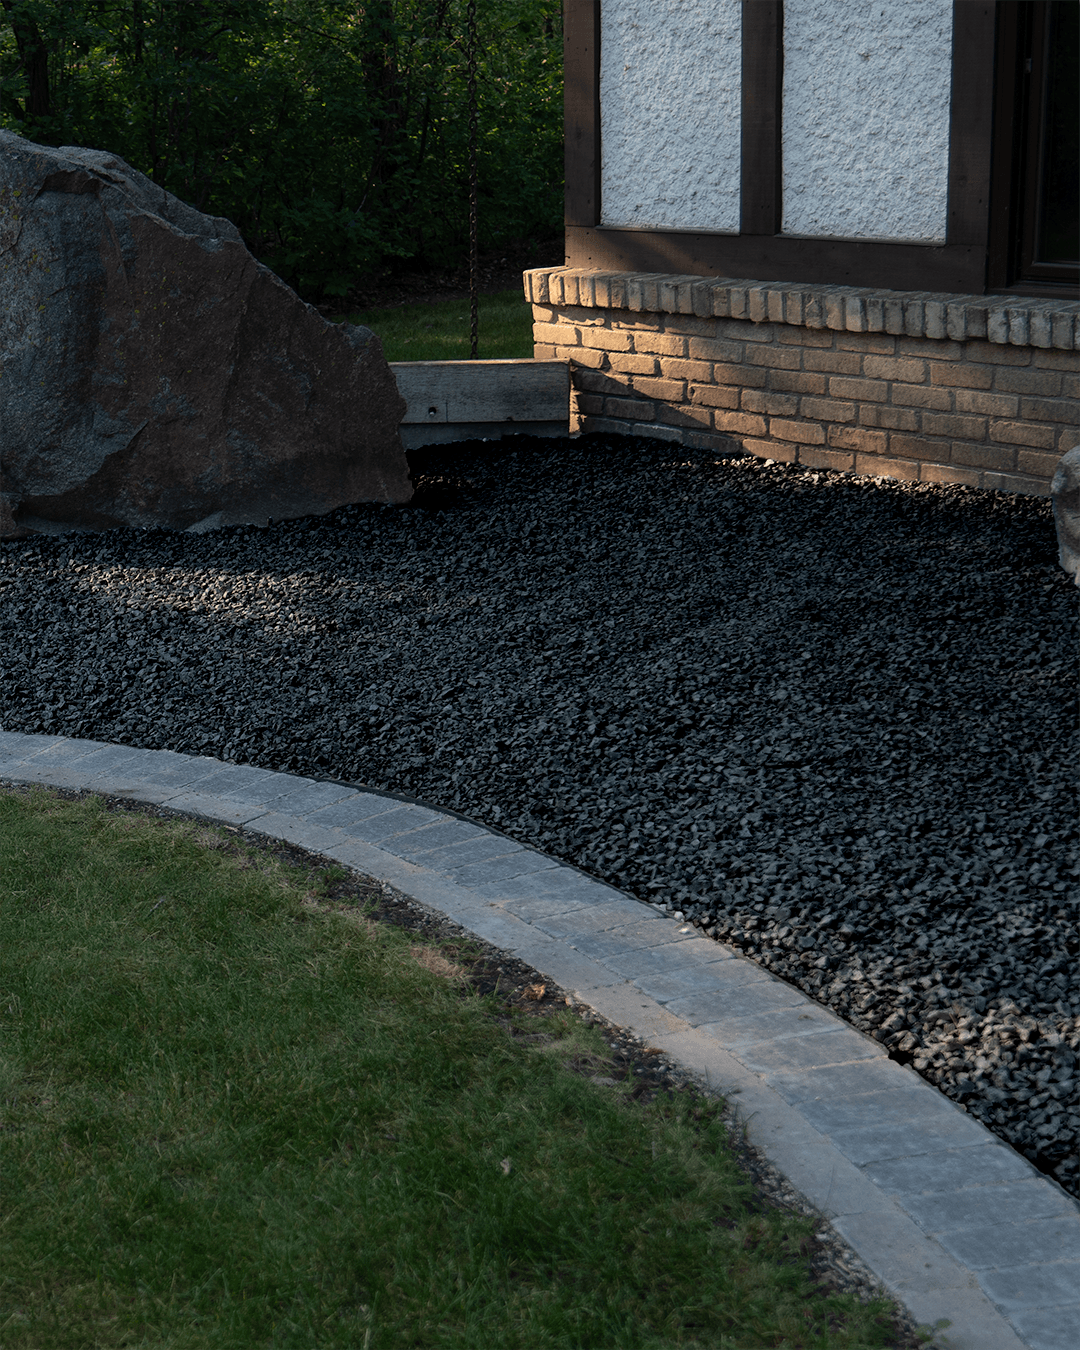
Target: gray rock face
{"points": [[1065, 488], [152, 373]]}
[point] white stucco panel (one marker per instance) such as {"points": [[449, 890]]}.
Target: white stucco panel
{"points": [[866, 118], [670, 113]]}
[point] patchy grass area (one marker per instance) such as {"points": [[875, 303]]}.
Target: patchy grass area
{"points": [[236, 1112], [440, 331]]}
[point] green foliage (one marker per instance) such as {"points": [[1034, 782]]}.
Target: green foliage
{"points": [[334, 134]]}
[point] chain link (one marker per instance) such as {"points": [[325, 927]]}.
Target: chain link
{"points": [[474, 269]]}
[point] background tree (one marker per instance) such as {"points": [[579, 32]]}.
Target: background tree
{"points": [[332, 133]]}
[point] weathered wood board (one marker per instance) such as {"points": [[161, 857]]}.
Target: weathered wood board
{"points": [[416, 434], [446, 392]]}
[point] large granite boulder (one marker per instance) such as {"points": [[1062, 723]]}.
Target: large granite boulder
{"points": [[152, 373], [1065, 490]]}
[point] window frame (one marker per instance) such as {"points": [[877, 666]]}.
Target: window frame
{"points": [[1021, 37], [759, 250]]}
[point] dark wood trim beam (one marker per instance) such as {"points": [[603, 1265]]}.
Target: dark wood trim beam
{"points": [[1005, 166], [971, 121], [957, 268], [581, 110], [762, 98]]}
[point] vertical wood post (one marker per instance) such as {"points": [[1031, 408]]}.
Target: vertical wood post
{"points": [[581, 103], [971, 115], [762, 96]]}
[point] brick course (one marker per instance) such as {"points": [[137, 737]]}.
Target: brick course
{"points": [[719, 396], [979, 390], [627, 363], [882, 415]]}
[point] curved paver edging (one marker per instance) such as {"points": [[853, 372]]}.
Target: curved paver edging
{"points": [[955, 1223]]}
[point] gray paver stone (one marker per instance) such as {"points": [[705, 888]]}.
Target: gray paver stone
{"points": [[1049, 1328], [112, 759], [49, 775], [949, 1170], [603, 946], [807, 1052], [568, 882], [55, 776], [667, 985], [304, 796], [569, 879], [567, 968], [1053, 1284], [796, 1019], [175, 776], [477, 849], [142, 790], [215, 808], [182, 797], [235, 783], [666, 960], [65, 750], [352, 810], [896, 1250], [565, 882], [840, 1080], [537, 906], [171, 760], [649, 932], [600, 918], [924, 1135], [194, 764], [746, 989], [1015, 1244], [273, 790], [298, 830], [987, 1205], [495, 869], [436, 835], [907, 1105], [381, 829], [553, 883], [497, 927], [14, 745]]}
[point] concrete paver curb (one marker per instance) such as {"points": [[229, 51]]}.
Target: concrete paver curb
{"points": [[955, 1223]]}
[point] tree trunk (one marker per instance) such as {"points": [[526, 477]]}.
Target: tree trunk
{"points": [[34, 58], [384, 89]]}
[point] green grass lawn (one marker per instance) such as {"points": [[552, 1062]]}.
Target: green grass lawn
{"points": [[236, 1114], [440, 332]]}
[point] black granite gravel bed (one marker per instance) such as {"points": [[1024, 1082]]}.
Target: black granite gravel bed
{"points": [[830, 719]]}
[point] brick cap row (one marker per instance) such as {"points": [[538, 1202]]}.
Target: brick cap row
{"points": [[1014, 320]]}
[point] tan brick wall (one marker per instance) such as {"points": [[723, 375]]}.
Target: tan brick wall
{"points": [[992, 412]]}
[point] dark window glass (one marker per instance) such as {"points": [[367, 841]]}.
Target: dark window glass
{"points": [[1035, 196], [1057, 232]]}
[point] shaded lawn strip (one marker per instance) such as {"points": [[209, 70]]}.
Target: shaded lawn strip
{"points": [[235, 1113], [440, 331]]}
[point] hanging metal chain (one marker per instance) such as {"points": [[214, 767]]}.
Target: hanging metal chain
{"points": [[474, 270]]}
